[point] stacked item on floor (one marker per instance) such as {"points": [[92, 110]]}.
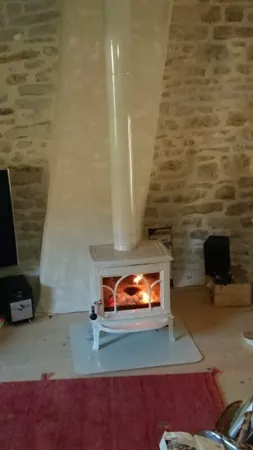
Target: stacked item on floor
{"points": [[185, 441], [228, 285], [236, 423], [234, 431], [16, 299]]}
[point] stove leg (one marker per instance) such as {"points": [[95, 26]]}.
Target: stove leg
{"points": [[96, 331], [171, 328]]}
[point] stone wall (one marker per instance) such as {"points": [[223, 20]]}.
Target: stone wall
{"points": [[28, 55], [202, 178]]}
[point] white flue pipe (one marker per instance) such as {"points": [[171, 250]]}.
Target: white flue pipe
{"points": [[117, 51]]}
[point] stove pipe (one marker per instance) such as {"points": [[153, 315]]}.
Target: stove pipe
{"points": [[119, 77]]}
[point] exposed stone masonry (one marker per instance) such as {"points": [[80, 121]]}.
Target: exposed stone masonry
{"points": [[202, 178], [28, 57]]}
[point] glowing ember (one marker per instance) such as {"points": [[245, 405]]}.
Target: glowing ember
{"points": [[138, 278]]}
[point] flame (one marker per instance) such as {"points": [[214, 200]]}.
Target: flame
{"points": [[138, 278], [144, 297]]}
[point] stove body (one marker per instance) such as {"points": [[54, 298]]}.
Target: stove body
{"points": [[130, 290]]}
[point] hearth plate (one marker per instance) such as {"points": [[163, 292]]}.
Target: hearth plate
{"points": [[149, 349]]}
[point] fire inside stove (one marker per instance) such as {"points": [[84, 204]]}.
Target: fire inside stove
{"points": [[131, 292]]}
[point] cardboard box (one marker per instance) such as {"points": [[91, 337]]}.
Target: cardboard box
{"points": [[234, 294]]}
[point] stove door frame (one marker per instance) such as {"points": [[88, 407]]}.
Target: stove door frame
{"points": [[97, 288]]}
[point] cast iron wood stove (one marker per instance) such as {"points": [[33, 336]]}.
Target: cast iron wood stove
{"points": [[130, 291]]}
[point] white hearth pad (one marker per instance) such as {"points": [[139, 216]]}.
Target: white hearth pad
{"points": [[130, 351]]}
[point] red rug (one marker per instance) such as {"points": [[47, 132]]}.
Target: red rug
{"points": [[121, 413]]}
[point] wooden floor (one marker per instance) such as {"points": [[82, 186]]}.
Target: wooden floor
{"points": [[27, 351]]}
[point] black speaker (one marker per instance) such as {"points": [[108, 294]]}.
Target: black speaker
{"points": [[16, 299], [217, 257]]}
